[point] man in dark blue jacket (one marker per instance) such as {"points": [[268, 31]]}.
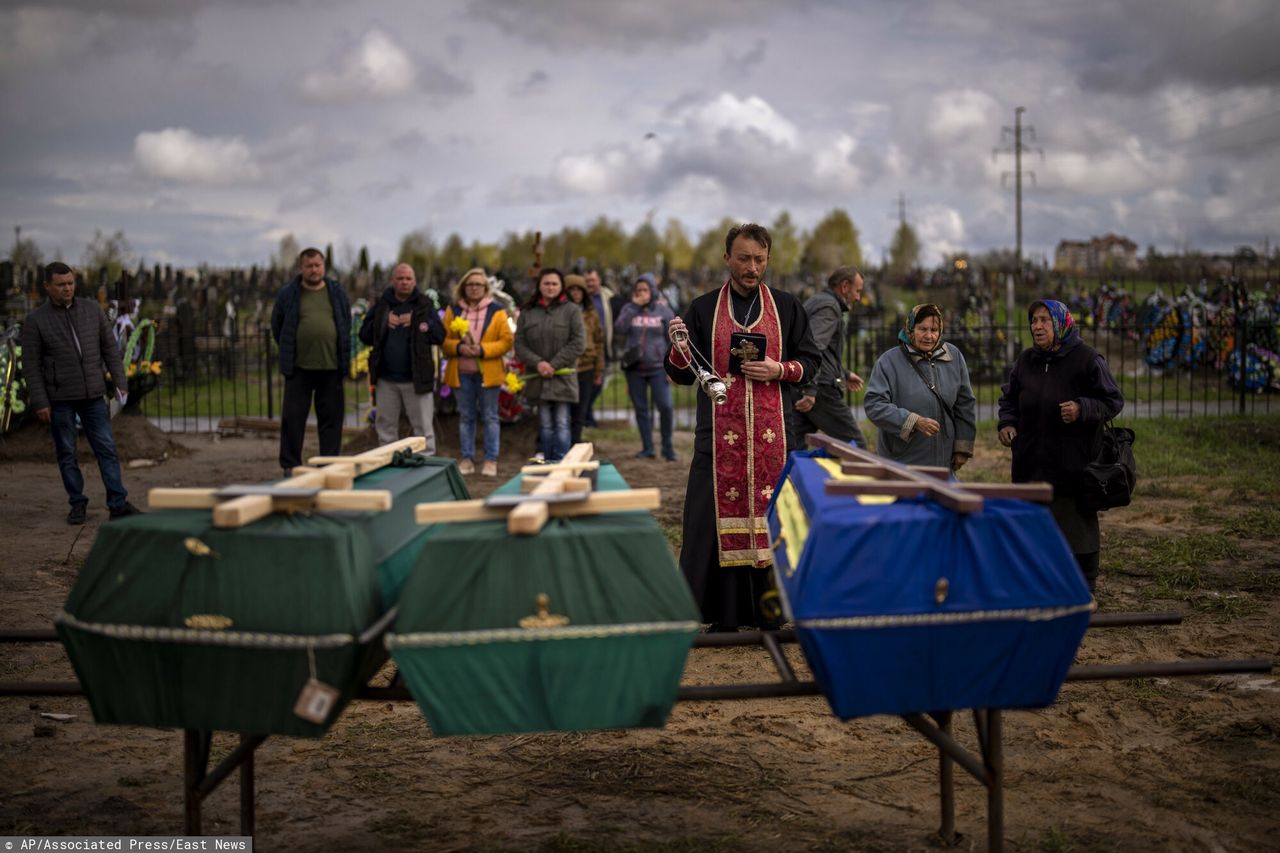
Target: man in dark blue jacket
{"points": [[66, 344], [311, 322], [403, 328]]}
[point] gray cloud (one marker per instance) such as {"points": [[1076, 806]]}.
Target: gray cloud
{"points": [[630, 27], [742, 64]]}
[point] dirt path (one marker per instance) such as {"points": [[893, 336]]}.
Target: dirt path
{"points": [[1190, 764]]}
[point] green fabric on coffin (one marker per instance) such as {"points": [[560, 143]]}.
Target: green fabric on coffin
{"points": [[285, 582], [616, 664]]}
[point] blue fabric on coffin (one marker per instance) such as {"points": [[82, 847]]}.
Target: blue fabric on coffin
{"points": [[861, 582]]}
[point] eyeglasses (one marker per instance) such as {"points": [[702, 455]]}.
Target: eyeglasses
{"points": [[475, 284]]}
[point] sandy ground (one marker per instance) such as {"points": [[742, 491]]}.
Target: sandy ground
{"points": [[1185, 764]]}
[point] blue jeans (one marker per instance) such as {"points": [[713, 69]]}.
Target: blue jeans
{"points": [[471, 391], [553, 423], [97, 428], [640, 385]]}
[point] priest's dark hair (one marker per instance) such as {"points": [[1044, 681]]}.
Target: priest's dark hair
{"points": [[751, 231]]}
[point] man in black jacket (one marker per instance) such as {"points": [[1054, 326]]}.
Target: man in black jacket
{"points": [[402, 328], [311, 322], [66, 344]]}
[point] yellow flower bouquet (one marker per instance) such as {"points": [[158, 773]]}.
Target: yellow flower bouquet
{"points": [[515, 384], [459, 326]]}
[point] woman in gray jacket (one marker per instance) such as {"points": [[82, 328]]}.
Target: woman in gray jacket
{"points": [[920, 399], [549, 338]]}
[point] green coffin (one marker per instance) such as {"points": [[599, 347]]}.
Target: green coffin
{"points": [[298, 590], [618, 661]]}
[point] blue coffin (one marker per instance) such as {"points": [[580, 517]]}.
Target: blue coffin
{"points": [[904, 606]]}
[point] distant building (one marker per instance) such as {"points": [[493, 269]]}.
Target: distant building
{"points": [[1109, 253]]}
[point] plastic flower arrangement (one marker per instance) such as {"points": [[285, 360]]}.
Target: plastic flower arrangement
{"points": [[360, 364], [144, 367]]}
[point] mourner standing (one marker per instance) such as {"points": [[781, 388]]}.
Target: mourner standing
{"points": [[1059, 394], [66, 347], [550, 335], [600, 297], [311, 323], [757, 339], [403, 329], [822, 406], [920, 398]]}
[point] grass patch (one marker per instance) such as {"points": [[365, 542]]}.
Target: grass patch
{"points": [[1246, 449], [1177, 561], [1263, 523]]}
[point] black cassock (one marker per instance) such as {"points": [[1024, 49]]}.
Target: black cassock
{"points": [[729, 596]]}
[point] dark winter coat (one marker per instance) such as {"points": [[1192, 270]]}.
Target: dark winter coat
{"points": [[1045, 447], [54, 368], [425, 333], [287, 312], [556, 334]]}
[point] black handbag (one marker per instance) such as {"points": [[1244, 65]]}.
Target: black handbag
{"points": [[1108, 481]]}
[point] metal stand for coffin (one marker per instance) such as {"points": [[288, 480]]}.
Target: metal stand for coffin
{"points": [[986, 765]]}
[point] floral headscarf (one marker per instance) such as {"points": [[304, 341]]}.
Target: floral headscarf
{"points": [[918, 313], [1064, 327]]}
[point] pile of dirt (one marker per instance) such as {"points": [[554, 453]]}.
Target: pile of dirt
{"points": [[135, 436]]}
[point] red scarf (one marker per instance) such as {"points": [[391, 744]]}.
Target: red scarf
{"points": [[749, 441]]}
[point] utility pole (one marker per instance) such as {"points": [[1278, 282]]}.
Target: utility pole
{"points": [[1017, 149]]}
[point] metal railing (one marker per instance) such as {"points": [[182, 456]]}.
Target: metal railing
{"points": [[205, 380]]}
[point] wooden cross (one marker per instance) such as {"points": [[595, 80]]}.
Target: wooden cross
{"points": [[311, 488], [238, 505], [558, 494], [370, 460], [888, 477]]}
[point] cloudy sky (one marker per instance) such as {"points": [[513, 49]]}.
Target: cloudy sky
{"points": [[206, 130]]}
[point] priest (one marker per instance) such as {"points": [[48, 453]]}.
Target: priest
{"points": [[757, 340]]}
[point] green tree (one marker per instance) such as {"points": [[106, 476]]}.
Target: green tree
{"points": [[328, 258], [487, 255], [25, 253], [516, 253], [363, 263], [904, 251], [604, 244], [784, 254], [676, 247], [709, 253], [454, 256], [643, 247], [418, 250], [109, 251], [834, 242]]}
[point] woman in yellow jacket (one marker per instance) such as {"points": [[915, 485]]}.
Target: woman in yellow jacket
{"points": [[477, 336]]}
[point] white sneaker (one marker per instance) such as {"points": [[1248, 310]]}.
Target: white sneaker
{"points": [[489, 469], [466, 466]]}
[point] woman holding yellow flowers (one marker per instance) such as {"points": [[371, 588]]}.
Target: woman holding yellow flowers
{"points": [[477, 336]]}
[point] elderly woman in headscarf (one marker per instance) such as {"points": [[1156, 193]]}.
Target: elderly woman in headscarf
{"points": [[919, 396], [1059, 394]]}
